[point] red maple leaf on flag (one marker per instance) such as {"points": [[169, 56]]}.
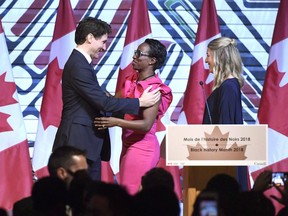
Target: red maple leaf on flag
{"points": [[272, 107], [7, 90], [4, 126], [274, 119]]}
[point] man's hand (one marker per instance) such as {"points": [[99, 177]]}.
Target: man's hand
{"points": [[148, 99]]}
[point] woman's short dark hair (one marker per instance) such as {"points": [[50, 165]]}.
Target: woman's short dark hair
{"points": [[91, 25], [158, 51]]}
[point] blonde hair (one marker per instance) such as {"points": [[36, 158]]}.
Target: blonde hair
{"points": [[227, 60]]}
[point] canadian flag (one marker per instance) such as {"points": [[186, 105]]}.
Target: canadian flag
{"points": [[51, 108], [15, 166], [194, 100], [272, 108], [192, 109]]}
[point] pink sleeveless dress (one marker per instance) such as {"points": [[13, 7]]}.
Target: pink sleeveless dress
{"points": [[140, 150]]}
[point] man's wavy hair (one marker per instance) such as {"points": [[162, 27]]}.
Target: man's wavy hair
{"points": [[91, 25]]}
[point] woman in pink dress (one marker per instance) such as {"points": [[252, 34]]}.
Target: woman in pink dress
{"points": [[140, 147]]}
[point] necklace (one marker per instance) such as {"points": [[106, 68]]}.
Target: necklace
{"points": [[147, 77]]}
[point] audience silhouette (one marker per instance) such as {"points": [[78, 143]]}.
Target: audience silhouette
{"points": [[252, 203], [103, 199], [69, 191], [50, 197], [157, 201], [3, 212], [157, 177]]}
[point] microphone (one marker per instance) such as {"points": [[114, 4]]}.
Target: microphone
{"points": [[205, 98]]}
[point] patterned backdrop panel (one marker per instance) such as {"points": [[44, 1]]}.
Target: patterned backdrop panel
{"points": [[29, 27]]}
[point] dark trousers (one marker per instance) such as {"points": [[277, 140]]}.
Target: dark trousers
{"points": [[94, 169]]}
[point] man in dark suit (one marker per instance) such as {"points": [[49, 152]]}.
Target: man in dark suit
{"points": [[83, 99]]}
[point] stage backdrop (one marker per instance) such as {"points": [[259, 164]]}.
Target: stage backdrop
{"points": [[29, 26]]}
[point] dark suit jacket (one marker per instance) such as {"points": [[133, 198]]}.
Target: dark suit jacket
{"points": [[83, 100]]}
